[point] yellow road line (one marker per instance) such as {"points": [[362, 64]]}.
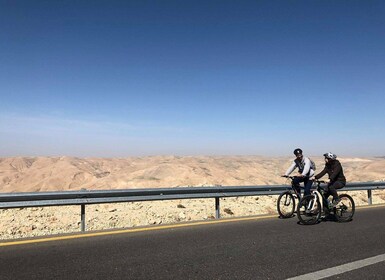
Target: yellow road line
{"points": [[83, 235], [371, 206]]}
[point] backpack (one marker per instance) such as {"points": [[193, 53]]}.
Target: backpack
{"points": [[312, 164]]}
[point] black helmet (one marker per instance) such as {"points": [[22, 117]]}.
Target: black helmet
{"points": [[298, 151]]}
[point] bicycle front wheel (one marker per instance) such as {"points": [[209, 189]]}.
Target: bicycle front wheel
{"points": [[344, 210], [286, 205], [309, 210]]}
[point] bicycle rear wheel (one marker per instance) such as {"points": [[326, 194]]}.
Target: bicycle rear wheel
{"points": [[309, 210], [344, 210], [286, 205]]}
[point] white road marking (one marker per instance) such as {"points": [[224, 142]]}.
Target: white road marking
{"points": [[340, 269]]}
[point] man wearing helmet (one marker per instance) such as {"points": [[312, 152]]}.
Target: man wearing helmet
{"points": [[336, 176], [305, 170]]}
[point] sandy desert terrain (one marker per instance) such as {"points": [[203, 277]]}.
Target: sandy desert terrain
{"points": [[34, 174]]}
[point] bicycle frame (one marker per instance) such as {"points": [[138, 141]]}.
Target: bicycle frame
{"points": [[293, 189], [320, 198], [318, 193]]}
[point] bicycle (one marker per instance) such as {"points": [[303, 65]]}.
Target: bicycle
{"points": [[314, 206], [287, 200]]}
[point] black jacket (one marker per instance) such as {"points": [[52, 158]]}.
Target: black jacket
{"points": [[334, 170]]}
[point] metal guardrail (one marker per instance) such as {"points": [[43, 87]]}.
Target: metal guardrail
{"points": [[84, 197]]}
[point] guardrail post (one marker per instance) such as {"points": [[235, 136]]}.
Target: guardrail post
{"points": [[83, 217], [217, 214], [370, 197]]}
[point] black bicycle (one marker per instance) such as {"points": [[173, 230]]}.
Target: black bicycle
{"points": [[314, 206], [287, 200]]}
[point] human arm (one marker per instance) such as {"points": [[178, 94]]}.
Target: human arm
{"points": [[290, 169], [321, 174]]}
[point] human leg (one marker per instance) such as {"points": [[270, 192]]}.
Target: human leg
{"points": [[308, 183], [335, 186], [296, 185], [326, 195]]}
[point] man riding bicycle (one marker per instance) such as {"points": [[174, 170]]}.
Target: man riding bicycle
{"points": [[336, 176], [305, 170]]}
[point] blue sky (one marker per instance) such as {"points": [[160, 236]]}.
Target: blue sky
{"points": [[138, 78]]}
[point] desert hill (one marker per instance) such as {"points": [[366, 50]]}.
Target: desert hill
{"points": [[30, 174], [25, 174]]}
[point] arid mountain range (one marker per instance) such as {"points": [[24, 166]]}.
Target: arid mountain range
{"points": [[27, 174], [31, 174]]}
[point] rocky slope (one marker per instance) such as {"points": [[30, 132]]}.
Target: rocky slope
{"points": [[66, 173], [23, 174]]}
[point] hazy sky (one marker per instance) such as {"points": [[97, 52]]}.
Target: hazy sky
{"points": [[133, 78]]}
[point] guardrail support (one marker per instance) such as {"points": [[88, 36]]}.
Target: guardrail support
{"points": [[370, 197], [217, 213], [83, 217]]}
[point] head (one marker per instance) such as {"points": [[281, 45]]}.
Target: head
{"points": [[298, 153], [329, 157]]}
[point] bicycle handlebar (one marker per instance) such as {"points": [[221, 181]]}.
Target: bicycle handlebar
{"points": [[314, 180], [290, 177], [319, 181]]}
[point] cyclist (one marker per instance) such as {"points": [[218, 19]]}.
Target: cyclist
{"points": [[305, 170], [336, 176]]}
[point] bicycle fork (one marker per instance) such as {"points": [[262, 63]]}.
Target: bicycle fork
{"points": [[312, 203], [287, 200]]}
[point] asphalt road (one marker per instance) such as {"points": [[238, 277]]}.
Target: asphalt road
{"points": [[254, 249]]}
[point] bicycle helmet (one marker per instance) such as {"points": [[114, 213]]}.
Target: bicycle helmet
{"points": [[297, 151], [330, 156]]}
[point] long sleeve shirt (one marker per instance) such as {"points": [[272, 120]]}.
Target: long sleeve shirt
{"points": [[334, 170], [304, 167]]}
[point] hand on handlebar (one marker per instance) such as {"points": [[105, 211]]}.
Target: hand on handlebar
{"points": [[318, 181]]}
